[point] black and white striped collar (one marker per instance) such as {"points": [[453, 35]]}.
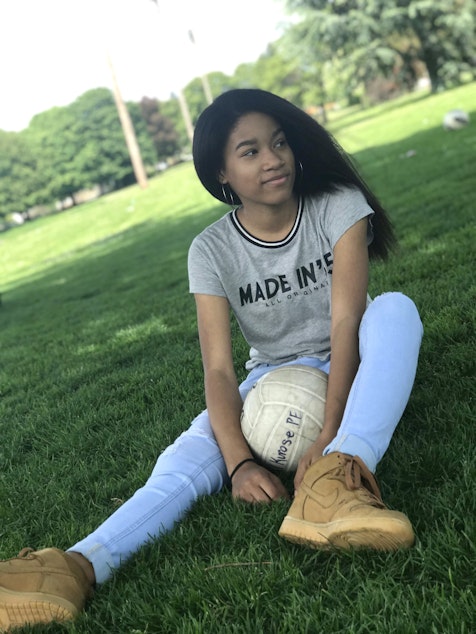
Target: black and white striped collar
{"points": [[264, 243]]}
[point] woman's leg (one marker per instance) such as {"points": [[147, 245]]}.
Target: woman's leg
{"points": [[338, 502], [389, 341], [51, 585], [191, 467]]}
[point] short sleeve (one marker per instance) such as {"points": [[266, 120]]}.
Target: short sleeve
{"points": [[202, 275], [345, 208]]}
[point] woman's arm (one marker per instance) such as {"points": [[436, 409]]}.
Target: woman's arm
{"points": [[251, 482], [349, 299]]}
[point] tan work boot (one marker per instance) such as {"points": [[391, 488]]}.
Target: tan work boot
{"points": [[339, 504], [39, 587]]}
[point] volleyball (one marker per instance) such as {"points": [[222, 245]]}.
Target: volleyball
{"points": [[283, 414], [455, 120]]}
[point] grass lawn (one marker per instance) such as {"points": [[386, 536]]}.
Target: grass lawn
{"points": [[100, 370]]}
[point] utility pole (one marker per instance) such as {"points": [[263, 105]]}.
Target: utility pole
{"points": [[205, 83], [128, 130], [185, 114], [182, 101]]}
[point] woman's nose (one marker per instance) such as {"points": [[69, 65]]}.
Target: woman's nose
{"points": [[271, 159]]}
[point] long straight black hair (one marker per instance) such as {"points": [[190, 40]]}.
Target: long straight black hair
{"points": [[321, 164]]}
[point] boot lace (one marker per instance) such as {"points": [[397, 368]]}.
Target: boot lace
{"points": [[358, 477], [25, 553]]}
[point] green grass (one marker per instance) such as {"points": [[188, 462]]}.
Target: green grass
{"points": [[100, 370]]}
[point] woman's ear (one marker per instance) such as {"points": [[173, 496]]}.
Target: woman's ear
{"points": [[221, 178]]}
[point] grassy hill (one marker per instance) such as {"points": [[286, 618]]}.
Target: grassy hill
{"points": [[100, 370]]}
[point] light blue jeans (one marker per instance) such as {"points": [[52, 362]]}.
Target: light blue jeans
{"points": [[389, 339]]}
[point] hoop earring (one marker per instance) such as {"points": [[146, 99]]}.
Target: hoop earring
{"points": [[301, 173], [225, 195]]}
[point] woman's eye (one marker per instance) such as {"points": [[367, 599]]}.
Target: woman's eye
{"points": [[280, 142]]}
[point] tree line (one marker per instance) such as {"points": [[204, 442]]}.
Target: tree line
{"points": [[346, 51]]}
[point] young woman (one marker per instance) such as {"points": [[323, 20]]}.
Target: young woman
{"points": [[291, 261]]}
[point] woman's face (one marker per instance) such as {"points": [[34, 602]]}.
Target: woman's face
{"points": [[258, 162]]}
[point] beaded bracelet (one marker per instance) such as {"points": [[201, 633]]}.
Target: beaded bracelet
{"points": [[240, 464]]}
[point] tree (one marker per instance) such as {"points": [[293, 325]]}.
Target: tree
{"points": [[82, 145], [19, 176], [160, 128], [377, 35], [275, 72], [103, 157], [53, 144]]}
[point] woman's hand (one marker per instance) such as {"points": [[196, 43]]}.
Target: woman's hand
{"points": [[312, 454], [253, 483]]}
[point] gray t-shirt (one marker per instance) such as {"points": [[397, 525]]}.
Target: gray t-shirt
{"points": [[280, 292]]}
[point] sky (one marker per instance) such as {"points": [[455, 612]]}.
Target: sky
{"points": [[52, 51]]}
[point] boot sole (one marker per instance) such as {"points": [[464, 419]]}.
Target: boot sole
{"points": [[22, 608], [370, 533]]}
